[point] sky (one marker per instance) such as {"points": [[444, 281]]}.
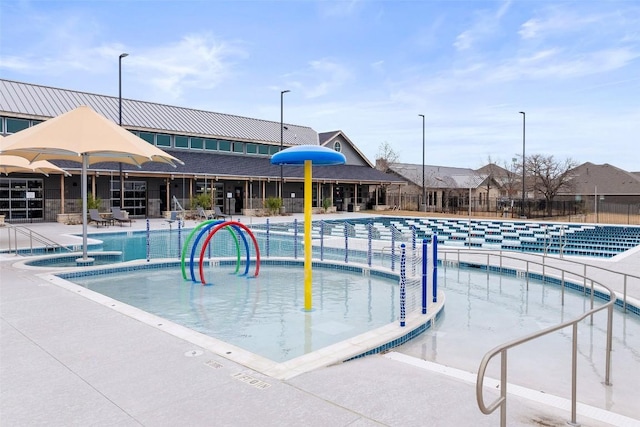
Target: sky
{"points": [[368, 68]]}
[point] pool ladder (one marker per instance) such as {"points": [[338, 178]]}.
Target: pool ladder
{"points": [[44, 242]]}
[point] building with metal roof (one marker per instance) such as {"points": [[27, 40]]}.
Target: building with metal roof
{"points": [[445, 188], [225, 156]]}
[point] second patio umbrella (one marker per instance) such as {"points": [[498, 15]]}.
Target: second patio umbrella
{"points": [[10, 164]]}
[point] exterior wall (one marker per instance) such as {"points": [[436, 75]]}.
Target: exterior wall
{"points": [[353, 157]]}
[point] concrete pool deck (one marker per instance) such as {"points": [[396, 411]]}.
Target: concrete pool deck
{"points": [[67, 360]]}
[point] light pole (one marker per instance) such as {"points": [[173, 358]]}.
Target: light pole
{"points": [[122, 55], [424, 190], [524, 117], [282, 133]]}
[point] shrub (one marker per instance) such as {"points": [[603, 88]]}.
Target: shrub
{"points": [[326, 204], [92, 202], [203, 200], [273, 205]]}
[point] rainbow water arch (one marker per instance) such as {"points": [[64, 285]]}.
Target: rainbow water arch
{"points": [[209, 228]]}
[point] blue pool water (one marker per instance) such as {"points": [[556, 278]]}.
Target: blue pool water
{"points": [[260, 314], [550, 238], [485, 311]]}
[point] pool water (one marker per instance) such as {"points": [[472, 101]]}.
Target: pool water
{"points": [[262, 314], [483, 312]]}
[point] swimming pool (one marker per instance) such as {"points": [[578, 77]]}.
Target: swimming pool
{"points": [[483, 311], [260, 314]]}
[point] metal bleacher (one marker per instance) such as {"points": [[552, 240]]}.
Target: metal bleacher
{"points": [[549, 238]]}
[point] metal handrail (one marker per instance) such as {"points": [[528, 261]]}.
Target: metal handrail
{"points": [[502, 349], [33, 236], [501, 402]]}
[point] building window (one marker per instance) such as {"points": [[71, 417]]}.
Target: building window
{"points": [[252, 149], [181, 142], [147, 136], [238, 147], [263, 149], [273, 149], [163, 140], [21, 199], [337, 146], [211, 144], [224, 145], [197, 143], [16, 125]]}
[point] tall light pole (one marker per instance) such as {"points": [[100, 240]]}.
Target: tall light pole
{"points": [[524, 122], [424, 190], [282, 134], [122, 55]]}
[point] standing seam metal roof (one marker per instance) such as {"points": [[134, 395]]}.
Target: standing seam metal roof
{"points": [[46, 102]]}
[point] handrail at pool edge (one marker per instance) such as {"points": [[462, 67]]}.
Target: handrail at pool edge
{"points": [[501, 401]]}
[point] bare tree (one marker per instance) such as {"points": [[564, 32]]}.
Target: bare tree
{"points": [[511, 180], [550, 176], [491, 174], [386, 156]]}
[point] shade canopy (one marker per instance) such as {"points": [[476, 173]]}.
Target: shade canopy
{"points": [[10, 164], [83, 132], [82, 135], [317, 154]]}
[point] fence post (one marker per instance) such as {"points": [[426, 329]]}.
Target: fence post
{"points": [[403, 284], [424, 276], [267, 242], [148, 243], [369, 242], [346, 243], [413, 250], [321, 240], [393, 250], [435, 268], [179, 237], [295, 238]]}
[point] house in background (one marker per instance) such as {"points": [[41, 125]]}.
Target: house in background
{"points": [[604, 191], [446, 189]]}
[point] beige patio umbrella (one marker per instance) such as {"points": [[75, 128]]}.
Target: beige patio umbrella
{"points": [[10, 164], [82, 135]]}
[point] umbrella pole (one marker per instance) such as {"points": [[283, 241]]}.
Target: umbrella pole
{"points": [[85, 165]]}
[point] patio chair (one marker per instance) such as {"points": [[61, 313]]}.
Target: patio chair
{"points": [[95, 217], [201, 214], [118, 215], [217, 213], [173, 218]]}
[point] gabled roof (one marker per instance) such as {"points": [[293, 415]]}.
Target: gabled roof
{"points": [[608, 179], [42, 102], [229, 166], [438, 176], [325, 137]]}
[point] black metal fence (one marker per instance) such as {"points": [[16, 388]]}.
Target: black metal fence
{"points": [[559, 210]]}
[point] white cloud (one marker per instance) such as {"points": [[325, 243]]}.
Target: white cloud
{"points": [[333, 8], [486, 24], [196, 61], [322, 77], [562, 21]]}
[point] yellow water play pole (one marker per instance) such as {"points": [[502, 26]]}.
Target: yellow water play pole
{"points": [[307, 235]]}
